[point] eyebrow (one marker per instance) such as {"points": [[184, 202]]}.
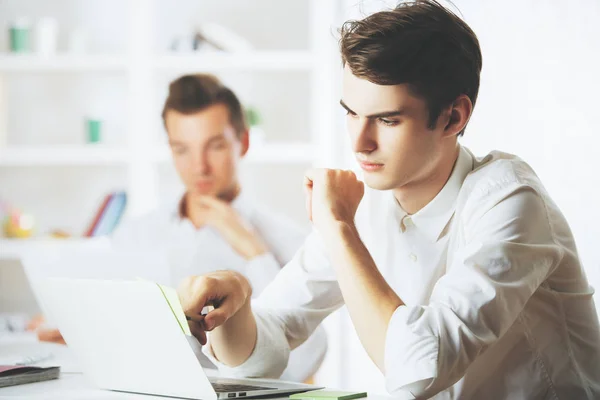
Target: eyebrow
{"points": [[212, 139], [385, 114]]}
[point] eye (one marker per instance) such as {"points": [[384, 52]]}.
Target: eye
{"points": [[218, 145], [179, 150], [388, 122]]}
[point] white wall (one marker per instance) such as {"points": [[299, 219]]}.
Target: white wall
{"points": [[539, 100]]}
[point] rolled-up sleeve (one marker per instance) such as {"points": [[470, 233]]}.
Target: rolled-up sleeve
{"points": [[509, 251], [270, 355], [288, 311]]}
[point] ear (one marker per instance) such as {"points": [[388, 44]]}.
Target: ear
{"points": [[459, 114], [245, 141]]}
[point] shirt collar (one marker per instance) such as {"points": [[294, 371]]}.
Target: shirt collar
{"points": [[434, 217]]}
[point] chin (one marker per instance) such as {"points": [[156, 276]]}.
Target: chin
{"points": [[377, 183], [200, 192]]}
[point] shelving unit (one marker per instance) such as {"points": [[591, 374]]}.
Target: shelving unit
{"points": [[62, 63], [254, 61], [140, 63], [62, 155]]}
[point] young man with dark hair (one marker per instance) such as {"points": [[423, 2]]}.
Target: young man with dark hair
{"points": [[460, 274], [215, 225]]}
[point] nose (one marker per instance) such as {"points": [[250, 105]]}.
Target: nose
{"points": [[363, 136], [200, 162]]}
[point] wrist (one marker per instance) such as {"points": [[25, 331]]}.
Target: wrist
{"points": [[338, 229], [254, 248], [246, 287], [339, 234]]}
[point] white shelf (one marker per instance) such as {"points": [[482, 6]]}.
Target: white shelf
{"points": [[201, 61], [16, 249], [62, 155], [219, 61], [289, 153], [67, 62]]}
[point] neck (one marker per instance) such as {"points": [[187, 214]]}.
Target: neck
{"points": [[413, 196]]}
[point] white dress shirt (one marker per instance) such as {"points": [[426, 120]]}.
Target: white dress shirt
{"points": [[192, 251], [497, 305]]}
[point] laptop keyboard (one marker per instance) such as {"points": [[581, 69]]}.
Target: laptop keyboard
{"points": [[231, 387]]}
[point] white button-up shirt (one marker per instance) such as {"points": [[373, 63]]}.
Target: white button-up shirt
{"points": [[192, 251], [497, 305]]}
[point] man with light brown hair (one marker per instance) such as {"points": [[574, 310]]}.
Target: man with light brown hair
{"points": [[214, 225], [460, 274]]}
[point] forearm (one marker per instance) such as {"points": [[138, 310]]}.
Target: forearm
{"points": [[251, 246], [370, 300], [233, 342]]}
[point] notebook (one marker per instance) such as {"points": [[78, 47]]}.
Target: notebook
{"points": [[328, 395], [11, 375]]}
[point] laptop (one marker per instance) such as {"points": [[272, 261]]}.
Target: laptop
{"points": [[127, 338]]}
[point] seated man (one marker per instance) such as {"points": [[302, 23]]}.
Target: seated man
{"points": [[460, 273], [215, 225]]}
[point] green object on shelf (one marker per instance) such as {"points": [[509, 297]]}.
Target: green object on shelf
{"points": [[94, 130], [253, 116], [19, 39]]}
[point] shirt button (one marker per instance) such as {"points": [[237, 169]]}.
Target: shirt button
{"points": [[408, 222], [413, 257]]}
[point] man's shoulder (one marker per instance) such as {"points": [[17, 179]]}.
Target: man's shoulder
{"points": [[143, 228], [496, 177], [497, 172], [157, 218]]}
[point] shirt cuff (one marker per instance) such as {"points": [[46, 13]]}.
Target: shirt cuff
{"points": [[269, 357], [410, 357], [261, 270]]}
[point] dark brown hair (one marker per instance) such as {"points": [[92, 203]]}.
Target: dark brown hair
{"points": [[190, 94], [419, 43]]}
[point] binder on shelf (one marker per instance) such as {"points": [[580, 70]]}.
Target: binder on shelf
{"points": [[109, 215], [90, 229]]}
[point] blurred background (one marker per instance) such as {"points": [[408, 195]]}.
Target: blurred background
{"points": [[82, 84]]}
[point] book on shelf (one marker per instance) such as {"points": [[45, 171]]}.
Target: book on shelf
{"points": [[108, 216]]}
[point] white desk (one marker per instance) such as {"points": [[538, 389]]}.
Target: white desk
{"points": [[72, 385], [16, 249]]}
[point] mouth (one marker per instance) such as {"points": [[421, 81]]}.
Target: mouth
{"points": [[370, 166], [203, 185]]}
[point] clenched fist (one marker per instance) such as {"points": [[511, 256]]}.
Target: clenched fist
{"points": [[332, 195]]}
